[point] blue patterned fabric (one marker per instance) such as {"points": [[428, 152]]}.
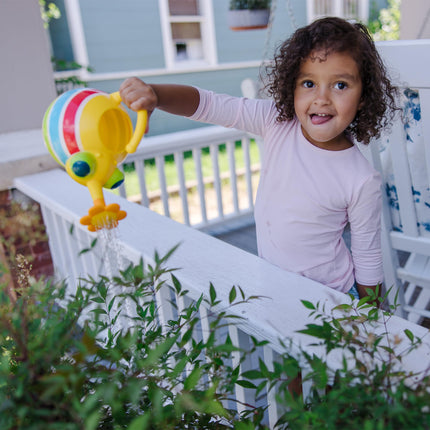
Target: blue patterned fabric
{"points": [[354, 292], [416, 158]]}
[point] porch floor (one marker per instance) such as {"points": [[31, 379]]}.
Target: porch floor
{"points": [[243, 238]]}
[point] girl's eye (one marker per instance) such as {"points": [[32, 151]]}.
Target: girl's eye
{"points": [[341, 85], [308, 84]]}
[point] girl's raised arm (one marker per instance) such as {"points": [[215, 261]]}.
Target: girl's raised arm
{"points": [[176, 99]]}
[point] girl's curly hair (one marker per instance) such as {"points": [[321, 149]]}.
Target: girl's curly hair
{"points": [[335, 35]]}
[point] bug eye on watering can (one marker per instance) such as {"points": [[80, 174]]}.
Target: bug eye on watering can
{"points": [[115, 180], [82, 165]]}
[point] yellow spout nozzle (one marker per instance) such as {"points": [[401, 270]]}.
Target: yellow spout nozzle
{"points": [[101, 216]]}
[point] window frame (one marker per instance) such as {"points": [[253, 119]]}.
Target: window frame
{"points": [[207, 30]]}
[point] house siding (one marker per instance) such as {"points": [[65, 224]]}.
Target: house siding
{"points": [[224, 81], [122, 35], [126, 36]]}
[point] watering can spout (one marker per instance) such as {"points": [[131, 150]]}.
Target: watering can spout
{"points": [[89, 133]]}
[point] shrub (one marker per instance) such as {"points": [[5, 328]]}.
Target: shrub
{"points": [[370, 389], [100, 359], [75, 366]]}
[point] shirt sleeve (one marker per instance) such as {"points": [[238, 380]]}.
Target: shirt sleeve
{"points": [[364, 215], [251, 115]]}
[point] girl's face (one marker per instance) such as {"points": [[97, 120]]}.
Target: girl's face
{"points": [[327, 97]]}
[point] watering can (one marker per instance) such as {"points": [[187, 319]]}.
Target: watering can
{"points": [[90, 133]]}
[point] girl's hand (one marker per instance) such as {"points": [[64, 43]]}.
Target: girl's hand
{"points": [[137, 95], [176, 99]]}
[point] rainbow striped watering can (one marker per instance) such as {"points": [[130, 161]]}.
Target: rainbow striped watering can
{"points": [[89, 133]]}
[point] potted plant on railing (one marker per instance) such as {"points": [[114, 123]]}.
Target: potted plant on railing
{"points": [[249, 14]]}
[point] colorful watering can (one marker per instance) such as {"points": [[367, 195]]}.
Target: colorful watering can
{"points": [[89, 133]]}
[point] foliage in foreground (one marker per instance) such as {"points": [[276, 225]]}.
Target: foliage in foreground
{"points": [[61, 370], [75, 366], [369, 389]]}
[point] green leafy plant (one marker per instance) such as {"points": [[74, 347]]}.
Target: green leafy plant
{"points": [[48, 11], [386, 22], [249, 4], [82, 362], [370, 389], [103, 359]]}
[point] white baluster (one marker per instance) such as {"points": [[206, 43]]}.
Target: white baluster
{"points": [[197, 157], [179, 160], [159, 162], [140, 170], [214, 150], [248, 172], [233, 178]]}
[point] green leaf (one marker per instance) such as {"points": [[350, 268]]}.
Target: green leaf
{"points": [[193, 378], [342, 307], [409, 334], [177, 285], [252, 374], [243, 425], [186, 336], [99, 311], [111, 303], [226, 348], [363, 301], [180, 366], [140, 423], [92, 422], [155, 354], [232, 295], [212, 293], [245, 384], [308, 304]]}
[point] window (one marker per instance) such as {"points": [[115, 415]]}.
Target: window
{"points": [[348, 9], [188, 32]]}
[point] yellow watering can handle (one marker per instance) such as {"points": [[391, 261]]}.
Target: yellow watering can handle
{"points": [[139, 131]]}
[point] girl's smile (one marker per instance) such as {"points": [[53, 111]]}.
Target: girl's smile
{"points": [[327, 97]]}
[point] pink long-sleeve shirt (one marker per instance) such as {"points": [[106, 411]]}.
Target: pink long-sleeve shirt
{"points": [[306, 196]]}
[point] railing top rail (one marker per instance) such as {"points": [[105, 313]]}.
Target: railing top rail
{"points": [[202, 259], [184, 140]]}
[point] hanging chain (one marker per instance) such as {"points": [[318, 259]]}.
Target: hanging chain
{"points": [[291, 15], [270, 24], [269, 29]]}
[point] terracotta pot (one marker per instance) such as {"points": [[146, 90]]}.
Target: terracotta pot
{"points": [[245, 19]]}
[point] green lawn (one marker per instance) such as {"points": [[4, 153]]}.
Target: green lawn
{"points": [[151, 174]]}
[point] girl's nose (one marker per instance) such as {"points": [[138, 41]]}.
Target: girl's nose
{"points": [[322, 96]]}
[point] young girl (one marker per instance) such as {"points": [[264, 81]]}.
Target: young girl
{"points": [[328, 86]]}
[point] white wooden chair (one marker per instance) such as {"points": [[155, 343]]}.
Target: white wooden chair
{"points": [[402, 155]]}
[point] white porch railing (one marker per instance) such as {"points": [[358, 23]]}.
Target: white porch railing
{"points": [[212, 198], [201, 259]]}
